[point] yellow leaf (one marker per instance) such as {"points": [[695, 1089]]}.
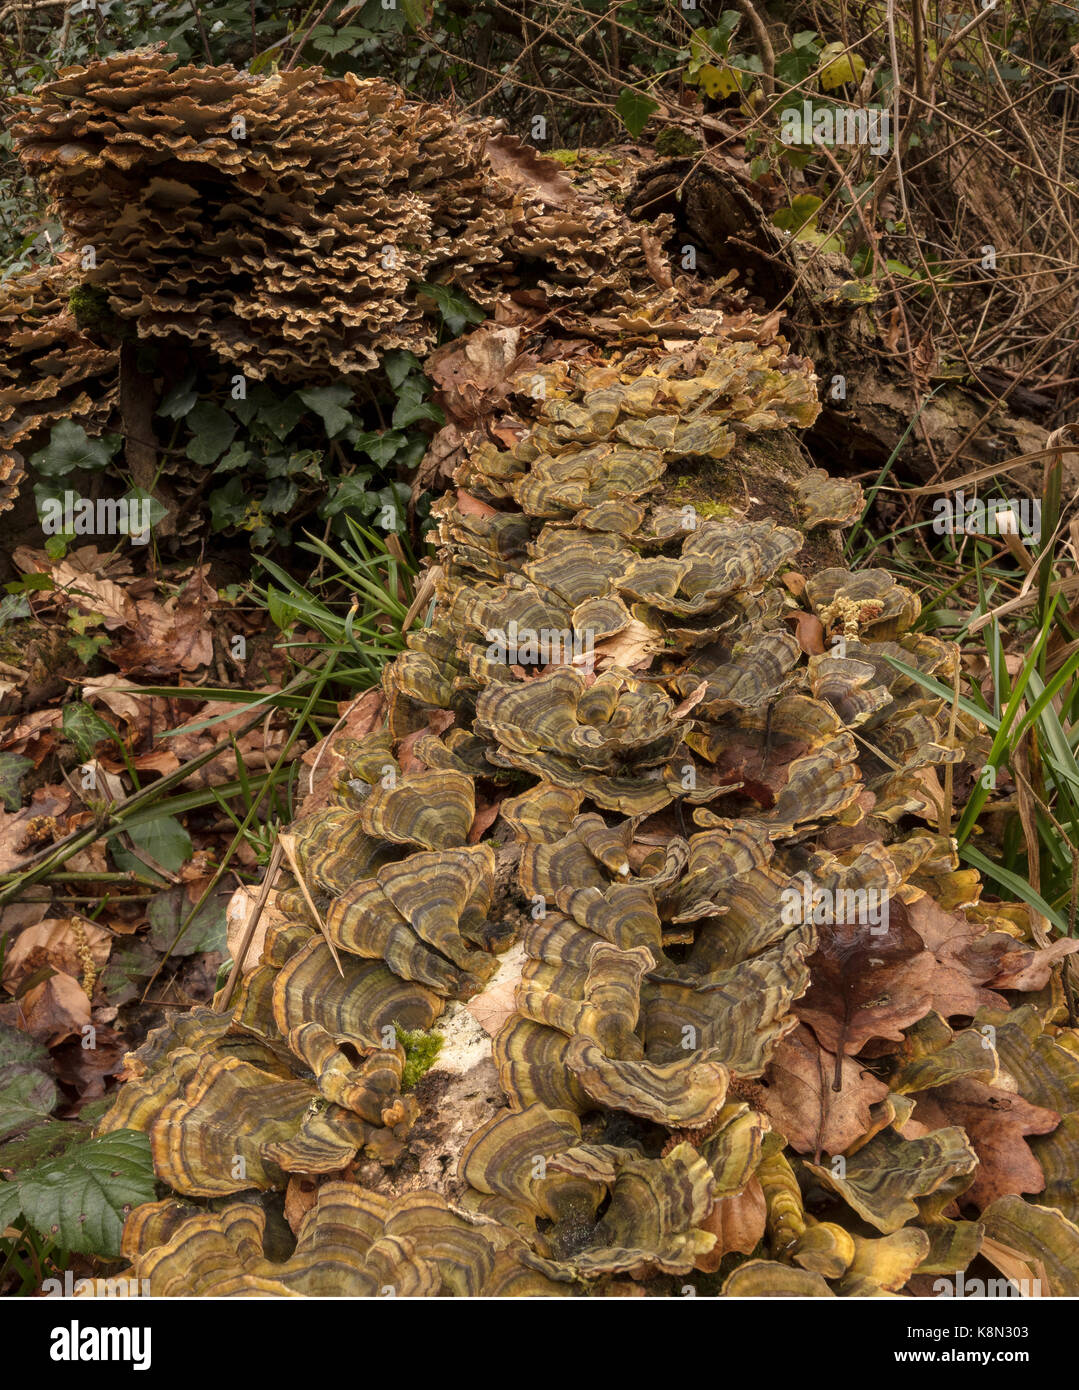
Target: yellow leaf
{"points": [[837, 67], [718, 82]]}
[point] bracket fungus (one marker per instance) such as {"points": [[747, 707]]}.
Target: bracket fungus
{"points": [[700, 823]]}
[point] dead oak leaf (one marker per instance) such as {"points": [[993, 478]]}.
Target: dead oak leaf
{"points": [[24, 832], [169, 637], [521, 165], [55, 1010], [497, 1002], [867, 986], [800, 1100], [864, 983], [1025, 968], [633, 647], [114, 693], [472, 373], [996, 1122]]}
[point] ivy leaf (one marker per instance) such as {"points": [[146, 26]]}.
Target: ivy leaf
{"points": [[130, 964], [338, 43], [12, 767], [228, 505], [328, 404], [457, 309], [350, 494], [794, 66], [417, 12], [837, 67], [213, 429], [68, 449], [411, 406], [384, 447], [281, 417], [85, 728], [856, 292], [715, 41], [801, 213], [30, 582], [179, 399], [634, 109], [206, 931], [148, 505], [399, 363], [80, 1199], [392, 506], [164, 839], [14, 606], [719, 82], [235, 456], [280, 496]]}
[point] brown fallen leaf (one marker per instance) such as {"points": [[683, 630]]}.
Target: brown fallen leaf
{"points": [[519, 163], [438, 721], [33, 736], [360, 717], [634, 646], [59, 942], [94, 595], [658, 266], [472, 506], [861, 984], [23, 832], [87, 1069], [737, 1223], [794, 582], [809, 631], [966, 956], [996, 1123], [300, 1196], [1023, 1270], [91, 860], [472, 372], [238, 912], [161, 760], [1028, 969], [485, 817], [18, 915], [54, 1011], [800, 1101], [114, 693], [174, 636], [494, 1006]]}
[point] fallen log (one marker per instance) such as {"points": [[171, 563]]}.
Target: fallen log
{"points": [[871, 392], [649, 827]]}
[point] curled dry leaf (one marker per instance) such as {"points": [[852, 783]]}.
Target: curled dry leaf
{"points": [[65, 944], [55, 1010]]}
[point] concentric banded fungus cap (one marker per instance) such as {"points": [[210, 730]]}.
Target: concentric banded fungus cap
{"points": [[592, 732]]}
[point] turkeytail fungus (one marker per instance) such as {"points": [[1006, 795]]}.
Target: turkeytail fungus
{"points": [[758, 1003]]}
